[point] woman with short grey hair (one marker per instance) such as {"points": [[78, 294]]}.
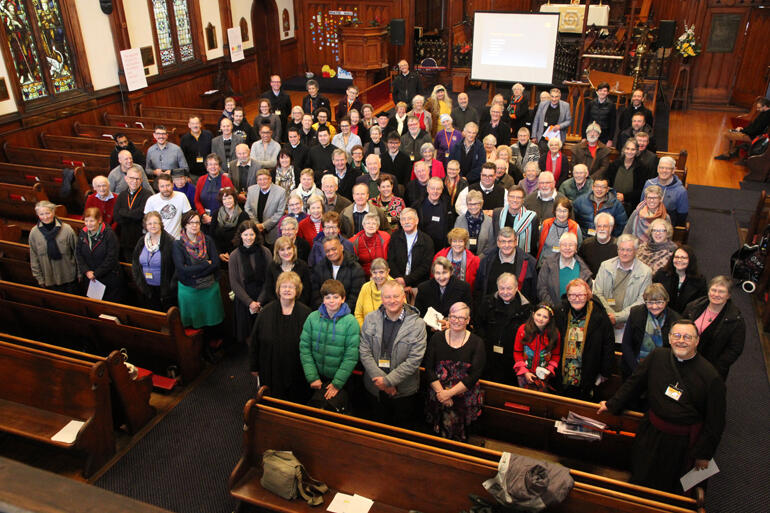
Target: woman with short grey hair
{"points": [[52, 245]]}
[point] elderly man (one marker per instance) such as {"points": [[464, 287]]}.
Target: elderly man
{"points": [[507, 257], [523, 150], [169, 203], [542, 200], [674, 194], [413, 139], [463, 113], [503, 175], [345, 177], [117, 176], [496, 126], [123, 143], [196, 144], [406, 84], [265, 204], [686, 417], [224, 145], [331, 226], [416, 189], [355, 212], [163, 156], [299, 151], [558, 269], [554, 117], [243, 171], [265, 151], [469, 153], [339, 265], [332, 200], [637, 125], [620, 283], [492, 192], [636, 105], [102, 198], [373, 175], [601, 246], [523, 221], [601, 111], [601, 199], [433, 211], [128, 212], [578, 185], [392, 344], [410, 251], [592, 152], [313, 101]]}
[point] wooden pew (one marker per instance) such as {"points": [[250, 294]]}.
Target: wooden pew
{"points": [[9, 231], [18, 201], [209, 117], [42, 392], [85, 144], [146, 122], [51, 180], [93, 164], [82, 129], [152, 339], [131, 397], [403, 471], [759, 218]]}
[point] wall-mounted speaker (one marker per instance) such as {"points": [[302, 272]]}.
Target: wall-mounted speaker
{"points": [[397, 31], [666, 31], [106, 6]]}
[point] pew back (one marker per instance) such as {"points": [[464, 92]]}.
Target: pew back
{"points": [[145, 122], [83, 129], [93, 164], [51, 179], [209, 117], [99, 145]]}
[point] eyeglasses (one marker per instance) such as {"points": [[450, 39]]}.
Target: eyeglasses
{"points": [[659, 230], [681, 257], [193, 222], [577, 296], [457, 318], [679, 336], [655, 302]]}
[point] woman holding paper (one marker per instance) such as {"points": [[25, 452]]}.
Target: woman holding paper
{"points": [[97, 256]]}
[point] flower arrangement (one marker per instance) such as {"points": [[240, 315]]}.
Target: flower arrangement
{"points": [[686, 44]]}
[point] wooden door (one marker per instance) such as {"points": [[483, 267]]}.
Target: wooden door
{"points": [[752, 77], [264, 20]]}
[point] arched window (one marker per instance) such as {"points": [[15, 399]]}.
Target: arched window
{"points": [[173, 32], [37, 43]]}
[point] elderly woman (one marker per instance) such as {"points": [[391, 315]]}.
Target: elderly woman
{"points": [[285, 174], [497, 321], [464, 263], [399, 118], [518, 108], [307, 187], [647, 328], [490, 147], [627, 175], [438, 104], [152, 265], [274, 347], [346, 140], [554, 227], [531, 172], [720, 324], [285, 258], [208, 187], [537, 350], [555, 161], [481, 236], [52, 251], [559, 269], [97, 255], [225, 222], [103, 199], [389, 203], [294, 209], [524, 150], [371, 242], [657, 251], [267, 117], [446, 138], [454, 362], [588, 352], [435, 166], [367, 116], [442, 290], [454, 184], [370, 299], [196, 261], [650, 209], [418, 111], [248, 273], [681, 278], [505, 154], [375, 145], [312, 225], [357, 126]]}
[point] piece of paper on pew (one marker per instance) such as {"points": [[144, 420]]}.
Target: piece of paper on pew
{"points": [[580, 427], [432, 316], [694, 477], [96, 289], [343, 503], [68, 433]]}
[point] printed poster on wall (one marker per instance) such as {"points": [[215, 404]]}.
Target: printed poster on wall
{"points": [[133, 68], [236, 45]]}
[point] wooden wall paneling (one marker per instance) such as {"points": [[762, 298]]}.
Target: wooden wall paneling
{"points": [[226, 19], [264, 22], [290, 61], [70, 19], [752, 75], [510, 5]]}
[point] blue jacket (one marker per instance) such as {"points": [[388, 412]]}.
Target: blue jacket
{"points": [[317, 251], [479, 156], [584, 213], [674, 198]]}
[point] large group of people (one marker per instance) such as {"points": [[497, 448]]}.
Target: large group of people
{"points": [[339, 236]]}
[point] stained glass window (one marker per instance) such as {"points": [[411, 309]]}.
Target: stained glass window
{"points": [[56, 51], [173, 27], [183, 32], [23, 50], [163, 29]]}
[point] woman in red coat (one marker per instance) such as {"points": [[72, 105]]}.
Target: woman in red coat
{"points": [[371, 242], [464, 263], [312, 225], [537, 349]]}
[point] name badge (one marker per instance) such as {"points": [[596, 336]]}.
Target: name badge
{"points": [[611, 301], [383, 363], [673, 392], [555, 249], [446, 154], [199, 160], [591, 232], [435, 219], [278, 113], [473, 242], [389, 218], [497, 349], [411, 156], [147, 276]]}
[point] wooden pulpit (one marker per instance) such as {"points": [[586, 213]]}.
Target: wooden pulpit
{"points": [[364, 52]]}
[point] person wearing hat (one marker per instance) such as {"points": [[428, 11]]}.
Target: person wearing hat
{"points": [[386, 123], [592, 152], [182, 183], [446, 139]]}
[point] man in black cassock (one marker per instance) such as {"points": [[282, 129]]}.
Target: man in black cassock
{"points": [[686, 418]]}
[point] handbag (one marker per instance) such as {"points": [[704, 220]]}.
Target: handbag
{"points": [[285, 476], [340, 403]]}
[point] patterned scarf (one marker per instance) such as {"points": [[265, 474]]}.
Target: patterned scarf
{"points": [[474, 224], [644, 216], [522, 224], [197, 248], [228, 220], [285, 178]]}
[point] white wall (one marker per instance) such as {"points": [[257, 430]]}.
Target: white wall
{"points": [[8, 106], [139, 26], [242, 9], [285, 4], [210, 14], [97, 38]]}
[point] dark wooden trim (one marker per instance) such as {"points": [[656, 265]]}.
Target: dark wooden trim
{"points": [[120, 38], [78, 48], [196, 27], [290, 41], [226, 20]]}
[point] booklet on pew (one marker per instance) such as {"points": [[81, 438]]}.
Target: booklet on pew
{"points": [[343, 503], [580, 427]]}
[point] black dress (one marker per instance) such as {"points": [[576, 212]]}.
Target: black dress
{"points": [[274, 271]]}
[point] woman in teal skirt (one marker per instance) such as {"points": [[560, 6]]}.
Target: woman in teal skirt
{"points": [[197, 268]]}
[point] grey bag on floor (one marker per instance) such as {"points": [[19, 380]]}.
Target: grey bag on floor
{"points": [[285, 476], [527, 484]]}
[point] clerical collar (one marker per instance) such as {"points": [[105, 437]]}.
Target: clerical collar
{"points": [[484, 189], [686, 359]]}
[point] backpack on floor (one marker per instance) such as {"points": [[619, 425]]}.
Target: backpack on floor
{"points": [[748, 263]]}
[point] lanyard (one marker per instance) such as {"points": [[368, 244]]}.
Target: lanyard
{"points": [[448, 138], [132, 200]]}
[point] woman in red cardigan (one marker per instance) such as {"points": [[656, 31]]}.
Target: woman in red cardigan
{"points": [[554, 227], [464, 263], [555, 161], [537, 349], [428, 152], [371, 242], [312, 225]]}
